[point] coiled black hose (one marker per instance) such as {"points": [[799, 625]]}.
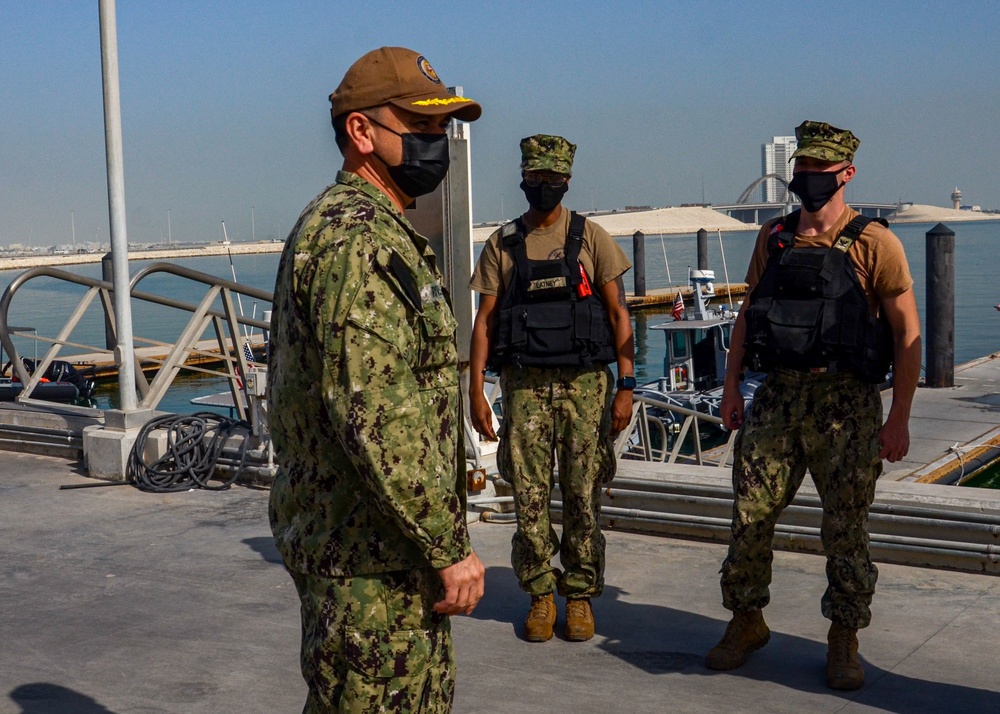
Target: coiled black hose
{"points": [[191, 458]]}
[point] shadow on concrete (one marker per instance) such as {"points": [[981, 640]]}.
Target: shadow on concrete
{"points": [[47, 698], [265, 548], [663, 640]]}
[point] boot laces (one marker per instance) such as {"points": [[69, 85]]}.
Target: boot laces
{"points": [[540, 609], [841, 647]]}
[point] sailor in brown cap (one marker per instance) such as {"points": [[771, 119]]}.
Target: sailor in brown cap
{"points": [[368, 506]]}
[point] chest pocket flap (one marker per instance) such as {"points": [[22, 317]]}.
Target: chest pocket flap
{"points": [[420, 301]]}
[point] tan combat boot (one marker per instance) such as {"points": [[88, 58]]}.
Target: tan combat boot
{"points": [[745, 633], [541, 618], [579, 620], [843, 670]]}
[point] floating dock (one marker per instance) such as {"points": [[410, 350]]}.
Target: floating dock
{"points": [[206, 353], [664, 297]]}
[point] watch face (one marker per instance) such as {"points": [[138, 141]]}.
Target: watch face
{"points": [[626, 382]]}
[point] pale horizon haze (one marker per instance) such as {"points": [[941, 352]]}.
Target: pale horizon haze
{"points": [[225, 112]]}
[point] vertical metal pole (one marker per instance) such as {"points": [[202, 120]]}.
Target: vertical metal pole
{"points": [[702, 249], [124, 353], [639, 263], [940, 309]]}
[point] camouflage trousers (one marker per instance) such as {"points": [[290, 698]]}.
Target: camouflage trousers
{"points": [[557, 415], [373, 643], [829, 425]]}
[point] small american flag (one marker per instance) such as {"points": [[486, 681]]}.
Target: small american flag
{"points": [[247, 352], [678, 312]]}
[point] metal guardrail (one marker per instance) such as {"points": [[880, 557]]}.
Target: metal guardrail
{"points": [[636, 440], [227, 324], [931, 536]]}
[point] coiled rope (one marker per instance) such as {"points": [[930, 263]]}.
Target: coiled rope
{"points": [[191, 456]]}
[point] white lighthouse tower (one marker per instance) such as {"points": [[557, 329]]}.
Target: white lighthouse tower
{"points": [[956, 199]]}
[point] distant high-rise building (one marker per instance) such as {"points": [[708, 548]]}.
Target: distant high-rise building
{"points": [[775, 160]]}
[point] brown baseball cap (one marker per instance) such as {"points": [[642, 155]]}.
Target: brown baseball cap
{"points": [[396, 75]]}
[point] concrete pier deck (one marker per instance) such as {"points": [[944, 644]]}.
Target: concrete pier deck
{"points": [[117, 601], [953, 428]]}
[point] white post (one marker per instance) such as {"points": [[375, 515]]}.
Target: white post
{"points": [[124, 354]]}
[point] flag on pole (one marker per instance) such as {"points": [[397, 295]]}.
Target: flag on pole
{"points": [[247, 351], [678, 312]]}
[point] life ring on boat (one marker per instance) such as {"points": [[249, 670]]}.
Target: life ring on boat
{"points": [[680, 377]]}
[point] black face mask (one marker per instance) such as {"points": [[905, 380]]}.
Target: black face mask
{"points": [[814, 188], [544, 198], [425, 162]]}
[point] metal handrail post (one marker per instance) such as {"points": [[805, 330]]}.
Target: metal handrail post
{"points": [[175, 359], [61, 339], [124, 349]]}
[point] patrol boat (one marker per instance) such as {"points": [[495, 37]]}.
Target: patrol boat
{"points": [[694, 364]]}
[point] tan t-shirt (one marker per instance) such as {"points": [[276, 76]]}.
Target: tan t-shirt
{"points": [[878, 258], [603, 259]]}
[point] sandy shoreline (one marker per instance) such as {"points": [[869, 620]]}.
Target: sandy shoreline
{"points": [[33, 261], [666, 221]]}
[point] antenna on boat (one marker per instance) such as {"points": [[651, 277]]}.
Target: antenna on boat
{"points": [[232, 268], [663, 247], [725, 271]]}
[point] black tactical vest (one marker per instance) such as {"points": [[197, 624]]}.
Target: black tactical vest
{"points": [[809, 312], [550, 315]]}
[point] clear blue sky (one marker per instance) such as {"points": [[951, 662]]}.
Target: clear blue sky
{"points": [[224, 103]]}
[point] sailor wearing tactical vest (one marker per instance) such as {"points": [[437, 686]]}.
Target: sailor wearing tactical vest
{"points": [[551, 317], [831, 306]]}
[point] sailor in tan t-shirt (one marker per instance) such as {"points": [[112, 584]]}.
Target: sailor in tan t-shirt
{"points": [[551, 317], [831, 307]]}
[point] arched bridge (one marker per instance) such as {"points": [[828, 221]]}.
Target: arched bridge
{"points": [[748, 191]]}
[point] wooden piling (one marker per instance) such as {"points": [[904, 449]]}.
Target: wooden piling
{"points": [[940, 309], [639, 263]]}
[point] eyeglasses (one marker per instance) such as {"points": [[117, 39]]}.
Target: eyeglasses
{"points": [[536, 180]]}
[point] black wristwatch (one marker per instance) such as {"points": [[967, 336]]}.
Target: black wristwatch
{"points": [[626, 383]]}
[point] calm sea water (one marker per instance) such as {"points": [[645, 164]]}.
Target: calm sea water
{"points": [[45, 303]]}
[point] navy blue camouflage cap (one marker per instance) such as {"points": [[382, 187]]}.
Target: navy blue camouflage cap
{"points": [[545, 152], [825, 142]]}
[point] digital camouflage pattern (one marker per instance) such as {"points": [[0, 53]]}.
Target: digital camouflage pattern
{"points": [[365, 415], [828, 424], [375, 644], [566, 411], [544, 152], [365, 407], [824, 142]]}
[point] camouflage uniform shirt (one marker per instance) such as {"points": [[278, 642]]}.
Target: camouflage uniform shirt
{"points": [[364, 394]]}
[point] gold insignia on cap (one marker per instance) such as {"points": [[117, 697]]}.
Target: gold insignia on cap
{"points": [[425, 69], [440, 101]]}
